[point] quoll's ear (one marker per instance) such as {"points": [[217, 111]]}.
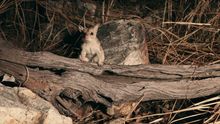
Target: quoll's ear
{"points": [[82, 29], [96, 27]]}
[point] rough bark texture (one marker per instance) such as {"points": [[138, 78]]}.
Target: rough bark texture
{"points": [[52, 77]]}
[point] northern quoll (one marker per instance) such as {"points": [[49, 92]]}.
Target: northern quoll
{"points": [[91, 48]]}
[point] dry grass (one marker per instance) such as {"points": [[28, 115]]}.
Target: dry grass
{"points": [[183, 32]]}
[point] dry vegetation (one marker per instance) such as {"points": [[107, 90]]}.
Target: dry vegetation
{"points": [[179, 32]]}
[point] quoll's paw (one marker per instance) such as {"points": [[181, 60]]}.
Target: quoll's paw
{"points": [[100, 63], [84, 59]]}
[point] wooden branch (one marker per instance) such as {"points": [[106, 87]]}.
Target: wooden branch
{"points": [[188, 23], [50, 74]]}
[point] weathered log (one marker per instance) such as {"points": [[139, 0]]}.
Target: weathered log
{"points": [[50, 76]]}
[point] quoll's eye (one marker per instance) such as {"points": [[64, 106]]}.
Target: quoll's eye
{"points": [[91, 33]]}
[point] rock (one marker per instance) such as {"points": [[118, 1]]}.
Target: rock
{"points": [[22, 106], [124, 42], [53, 116], [16, 115]]}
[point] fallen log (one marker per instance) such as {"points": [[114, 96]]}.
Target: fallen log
{"points": [[53, 77]]}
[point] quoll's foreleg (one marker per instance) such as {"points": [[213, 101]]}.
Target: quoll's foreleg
{"points": [[83, 57], [101, 57]]}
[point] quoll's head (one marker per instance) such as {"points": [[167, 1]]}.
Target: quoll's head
{"points": [[91, 33]]}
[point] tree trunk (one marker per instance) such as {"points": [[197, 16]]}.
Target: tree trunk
{"points": [[52, 76]]}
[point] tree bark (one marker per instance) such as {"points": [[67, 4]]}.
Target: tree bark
{"points": [[50, 75]]}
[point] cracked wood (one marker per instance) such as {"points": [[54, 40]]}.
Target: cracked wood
{"points": [[50, 74]]}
